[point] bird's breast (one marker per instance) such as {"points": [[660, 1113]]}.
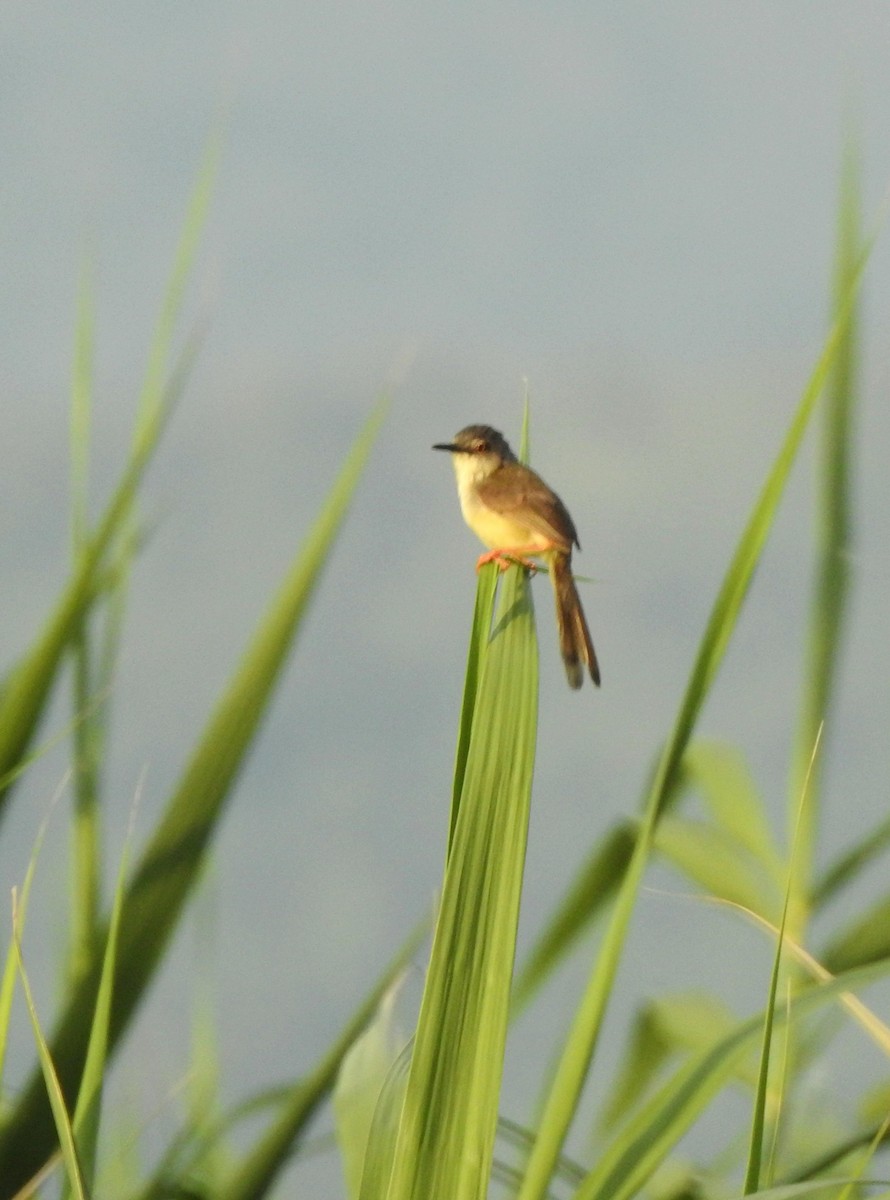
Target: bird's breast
{"points": [[494, 529]]}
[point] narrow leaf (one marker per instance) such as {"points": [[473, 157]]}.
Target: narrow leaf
{"points": [[173, 859], [446, 1137], [580, 1044]]}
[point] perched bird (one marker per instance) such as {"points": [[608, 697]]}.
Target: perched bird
{"points": [[517, 516]]}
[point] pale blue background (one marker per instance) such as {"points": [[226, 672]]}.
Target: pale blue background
{"points": [[630, 205]]}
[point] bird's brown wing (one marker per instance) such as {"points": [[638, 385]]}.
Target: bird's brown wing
{"points": [[514, 488]]}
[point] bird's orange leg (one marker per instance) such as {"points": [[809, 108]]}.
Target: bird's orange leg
{"points": [[506, 556]]}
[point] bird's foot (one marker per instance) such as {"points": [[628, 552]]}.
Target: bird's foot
{"points": [[506, 558]]}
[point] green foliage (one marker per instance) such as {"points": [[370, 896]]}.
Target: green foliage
{"points": [[424, 1116]]}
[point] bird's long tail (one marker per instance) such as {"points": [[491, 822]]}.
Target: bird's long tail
{"points": [[575, 642]]}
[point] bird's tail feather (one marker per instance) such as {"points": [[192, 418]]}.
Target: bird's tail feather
{"points": [[575, 642]]}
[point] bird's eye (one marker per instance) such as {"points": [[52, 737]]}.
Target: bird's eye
{"points": [[480, 444]]}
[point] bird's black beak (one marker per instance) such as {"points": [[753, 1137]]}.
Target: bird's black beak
{"points": [[445, 446]]}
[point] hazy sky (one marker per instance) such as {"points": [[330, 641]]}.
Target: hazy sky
{"points": [[631, 206]]}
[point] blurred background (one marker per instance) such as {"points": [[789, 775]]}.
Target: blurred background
{"points": [[630, 207]]}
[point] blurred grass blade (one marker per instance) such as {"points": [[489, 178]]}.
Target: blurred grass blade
{"points": [[579, 1047], [594, 886], [81, 406], [721, 775], [172, 861], [384, 1130], [728, 790], [850, 865], [10, 970], [668, 1026], [758, 1122], [260, 1167], [53, 1087], [655, 1130], [27, 687], [446, 1137], [360, 1082], [85, 843], [865, 940], [833, 526], [89, 1097], [712, 858], [161, 350], [25, 695]]}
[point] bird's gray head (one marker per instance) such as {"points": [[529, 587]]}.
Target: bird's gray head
{"points": [[481, 441]]}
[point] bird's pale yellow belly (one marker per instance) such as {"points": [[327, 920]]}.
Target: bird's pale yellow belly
{"points": [[497, 531]]}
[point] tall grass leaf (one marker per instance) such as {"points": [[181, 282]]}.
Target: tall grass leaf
{"points": [[202, 1092], [53, 1086], [85, 847], [730, 794], [480, 632], [446, 1136], [849, 866], [172, 861], [29, 683], [834, 522], [160, 353], [10, 970], [88, 1109], [252, 1178], [817, 1189], [360, 1082], [384, 1129], [758, 1122], [721, 775], [188, 1150], [81, 407], [655, 1130], [876, 1133], [579, 1046], [712, 857], [865, 940], [668, 1026]]}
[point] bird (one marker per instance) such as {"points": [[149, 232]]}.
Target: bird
{"points": [[518, 517]]}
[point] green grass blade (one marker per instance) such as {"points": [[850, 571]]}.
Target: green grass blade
{"points": [[26, 690], [89, 1098], [865, 940], [364, 1079], [722, 777], [580, 1044], [360, 1081], [828, 607], [666, 1027], [384, 1130], [479, 638], [594, 886], [86, 854], [758, 1124], [160, 353], [654, 1131], [257, 1172], [850, 865], [479, 635], [713, 859], [60, 1115], [10, 970], [446, 1136], [172, 861], [81, 407]]}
